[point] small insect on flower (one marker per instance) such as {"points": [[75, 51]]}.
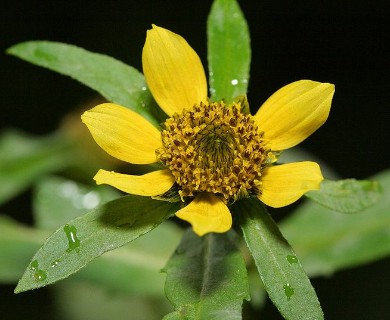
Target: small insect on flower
{"points": [[213, 153]]}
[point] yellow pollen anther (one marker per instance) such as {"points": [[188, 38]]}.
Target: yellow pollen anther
{"points": [[214, 148]]}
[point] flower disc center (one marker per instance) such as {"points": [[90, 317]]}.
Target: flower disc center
{"points": [[214, 148]]}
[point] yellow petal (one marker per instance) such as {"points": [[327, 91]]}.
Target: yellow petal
{"points": [[207, 213], [294, 112], [173, 71], [150, 184], [123, 133], [284, 184]]}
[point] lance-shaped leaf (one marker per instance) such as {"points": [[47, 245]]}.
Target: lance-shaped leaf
{"points": [[75, 244], [131, 269], [328, 241], [280, 270], [114, 80], [229, 52], [347, 196], [206, 278]]}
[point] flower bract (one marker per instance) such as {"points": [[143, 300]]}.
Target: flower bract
{"points": [[213, 153]]}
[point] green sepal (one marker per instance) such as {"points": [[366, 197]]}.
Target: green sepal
{"points": [[206, 278], [74, 245], [283, 277]]}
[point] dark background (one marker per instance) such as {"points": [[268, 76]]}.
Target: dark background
{"points": [[343, 42]]}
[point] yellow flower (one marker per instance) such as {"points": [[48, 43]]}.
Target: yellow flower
{"points": [[213, 153]]}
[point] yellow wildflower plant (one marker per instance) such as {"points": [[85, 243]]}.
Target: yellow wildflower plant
{"points": [[213, 153]]}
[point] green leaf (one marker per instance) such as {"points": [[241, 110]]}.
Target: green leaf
{"points": [[23, 159], [347, 196], [280, 270], [74, 245], [136, 267], [58, 200], [114, 80], [132, 269], [206, 278], [328, 241], [229, 51]]}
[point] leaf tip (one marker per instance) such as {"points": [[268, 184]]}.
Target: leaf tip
{"points": [[18, 288], [11, 49]]}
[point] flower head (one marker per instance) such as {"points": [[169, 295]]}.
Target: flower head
{"points": [[213, 153]]}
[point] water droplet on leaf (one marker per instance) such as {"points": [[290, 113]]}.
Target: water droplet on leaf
{"points": [[55, 263], [291, 259], [234, 82], [39, 275], [288, 290], [71, 234], [34, 265]]}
